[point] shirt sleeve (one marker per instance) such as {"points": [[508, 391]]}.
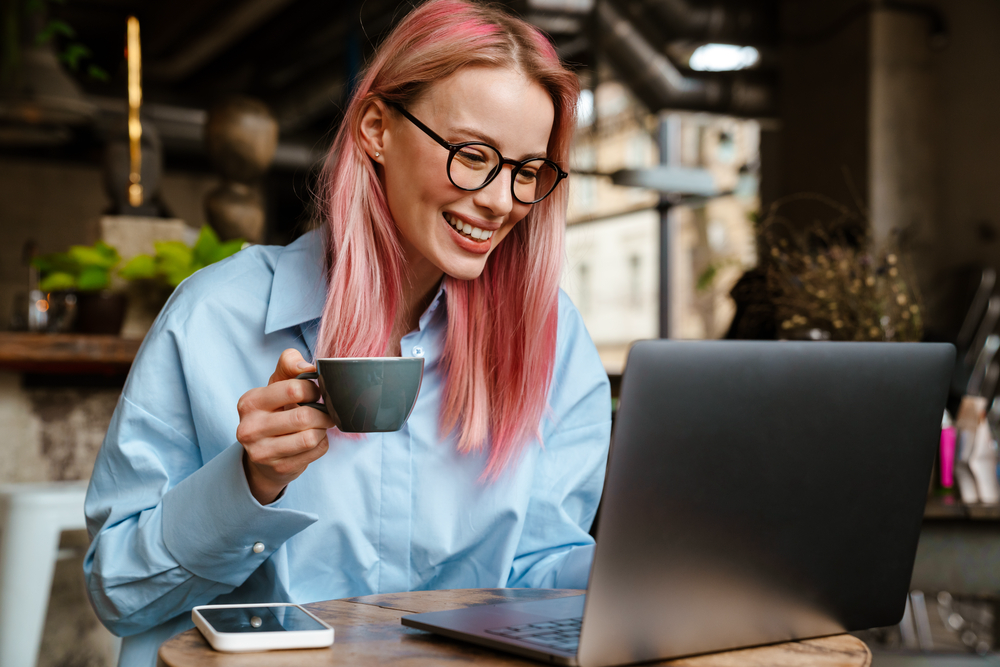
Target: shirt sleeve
{"points": [[170, 530], [556, 549]]}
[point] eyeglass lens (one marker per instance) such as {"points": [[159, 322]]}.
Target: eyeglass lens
{"points": [[475, 164]]}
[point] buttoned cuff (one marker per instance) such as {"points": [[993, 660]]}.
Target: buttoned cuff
{"points": [[216, 529]]}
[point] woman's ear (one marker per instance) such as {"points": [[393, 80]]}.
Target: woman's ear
{"points": [[373, 126]]}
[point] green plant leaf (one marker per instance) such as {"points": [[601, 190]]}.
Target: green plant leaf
{"points": [[207, 246], [174, 261], [56, 262], [98, 73], [57, 281], [93, 278], [175, 277], [52, 28], [173, 253], [73, 54], [228, 249], [106, 251], [140, 267], [706, 278], [100, 255]]}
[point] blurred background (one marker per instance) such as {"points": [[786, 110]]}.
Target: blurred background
{"points": [[758, 169]]}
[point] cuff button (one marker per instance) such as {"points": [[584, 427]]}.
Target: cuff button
{"points": [[258, 547]]}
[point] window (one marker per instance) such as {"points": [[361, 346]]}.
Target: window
{"points": [[583, 275], [635, 281]]}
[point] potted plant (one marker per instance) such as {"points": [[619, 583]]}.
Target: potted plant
{"points": [[175, 260], [86, 271]]}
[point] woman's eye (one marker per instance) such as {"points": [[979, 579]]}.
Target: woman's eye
{"points": [[527, 175], [472, 157]]}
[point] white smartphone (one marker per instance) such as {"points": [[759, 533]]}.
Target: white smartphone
{"points": [[236, 628]]}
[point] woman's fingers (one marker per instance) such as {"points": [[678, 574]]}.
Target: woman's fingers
{"points": [[283, 456], [288, 455], [276, 396], [261, 425], [279, 438], [270, 465]]}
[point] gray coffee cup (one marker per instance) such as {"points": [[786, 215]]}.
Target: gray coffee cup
{"points": [[367, 395]]}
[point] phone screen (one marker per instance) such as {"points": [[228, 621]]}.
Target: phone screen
{"points": [[260, 619]]}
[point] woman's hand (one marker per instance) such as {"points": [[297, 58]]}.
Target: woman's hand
{"points": [[280, 439]]}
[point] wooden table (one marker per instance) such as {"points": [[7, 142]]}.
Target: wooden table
{"points": [[368, 632]]}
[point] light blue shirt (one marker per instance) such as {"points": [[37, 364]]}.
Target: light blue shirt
{"points": [[172, 520]]}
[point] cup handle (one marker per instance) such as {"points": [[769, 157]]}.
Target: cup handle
{"points": [[312, 375]]}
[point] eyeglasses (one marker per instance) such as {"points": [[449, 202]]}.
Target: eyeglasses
{"points": [[472, 165]]}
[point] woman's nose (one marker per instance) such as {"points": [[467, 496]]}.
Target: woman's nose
{"points": [[497, 196]]}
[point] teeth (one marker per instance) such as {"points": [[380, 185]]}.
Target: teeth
{"points": [[467, 229]]}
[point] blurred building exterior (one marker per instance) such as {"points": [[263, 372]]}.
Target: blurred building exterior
{"points": [[612, 268]]}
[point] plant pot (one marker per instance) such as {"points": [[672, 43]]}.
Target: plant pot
{"points": [[100, 312]]}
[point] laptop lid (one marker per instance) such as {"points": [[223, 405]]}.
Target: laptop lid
{"points": [[761, 492]]}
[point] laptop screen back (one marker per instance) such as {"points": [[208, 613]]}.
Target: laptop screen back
{"points": [[760, 492]]}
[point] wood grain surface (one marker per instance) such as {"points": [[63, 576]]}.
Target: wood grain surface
{"points": [[369, 632], [65, 353]]}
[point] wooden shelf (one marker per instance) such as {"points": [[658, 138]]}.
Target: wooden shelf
{"points": [[952, 508], [66, 353]]}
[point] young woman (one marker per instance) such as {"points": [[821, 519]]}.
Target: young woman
{"points": [[444, 197]]}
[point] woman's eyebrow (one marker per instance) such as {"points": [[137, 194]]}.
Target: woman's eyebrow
{"points": [[486, 139]]}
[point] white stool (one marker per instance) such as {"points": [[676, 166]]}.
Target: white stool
{"points": [[32, 516]]}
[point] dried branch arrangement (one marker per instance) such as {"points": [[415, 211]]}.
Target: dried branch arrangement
{"points": [[827, 281]]}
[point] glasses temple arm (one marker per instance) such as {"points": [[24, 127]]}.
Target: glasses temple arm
{"points": [[426, 130]]}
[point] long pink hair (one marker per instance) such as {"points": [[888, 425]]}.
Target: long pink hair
{"points": [[501, 338]]}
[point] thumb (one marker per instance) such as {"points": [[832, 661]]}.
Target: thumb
{"points": [[290, 364]]}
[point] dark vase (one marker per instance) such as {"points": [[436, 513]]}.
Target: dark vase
{"points": [[100, 312]]}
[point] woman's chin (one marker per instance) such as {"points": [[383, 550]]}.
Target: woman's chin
{"points": [[465, 270]]}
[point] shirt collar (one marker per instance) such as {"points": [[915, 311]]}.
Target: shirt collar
{"points": [[298, 289], [439, 302]]}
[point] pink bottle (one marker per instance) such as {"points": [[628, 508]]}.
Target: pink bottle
{"points": [[947, 453]]}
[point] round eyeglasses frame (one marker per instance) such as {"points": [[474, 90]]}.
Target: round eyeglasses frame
{"points": [[453, 150]]}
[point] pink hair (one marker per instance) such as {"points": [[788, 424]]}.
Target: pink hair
{"points": [[501, 339]]}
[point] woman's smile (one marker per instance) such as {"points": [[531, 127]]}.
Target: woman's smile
{"points": [[472, 231], [470, 234]]}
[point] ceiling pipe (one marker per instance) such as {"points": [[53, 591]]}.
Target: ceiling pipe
{"points": [[245, 18], [718, 22], [660, 85]]}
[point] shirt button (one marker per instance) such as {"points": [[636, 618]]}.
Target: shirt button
{"points": [[258, 547], [418, 351]]}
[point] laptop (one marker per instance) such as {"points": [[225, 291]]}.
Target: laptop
{"points": [[757, 492]]}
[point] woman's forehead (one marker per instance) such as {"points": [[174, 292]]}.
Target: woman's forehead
{"points": [[498, 105]]}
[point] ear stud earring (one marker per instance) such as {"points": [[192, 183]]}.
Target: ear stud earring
{"points": [[377, 154]]}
